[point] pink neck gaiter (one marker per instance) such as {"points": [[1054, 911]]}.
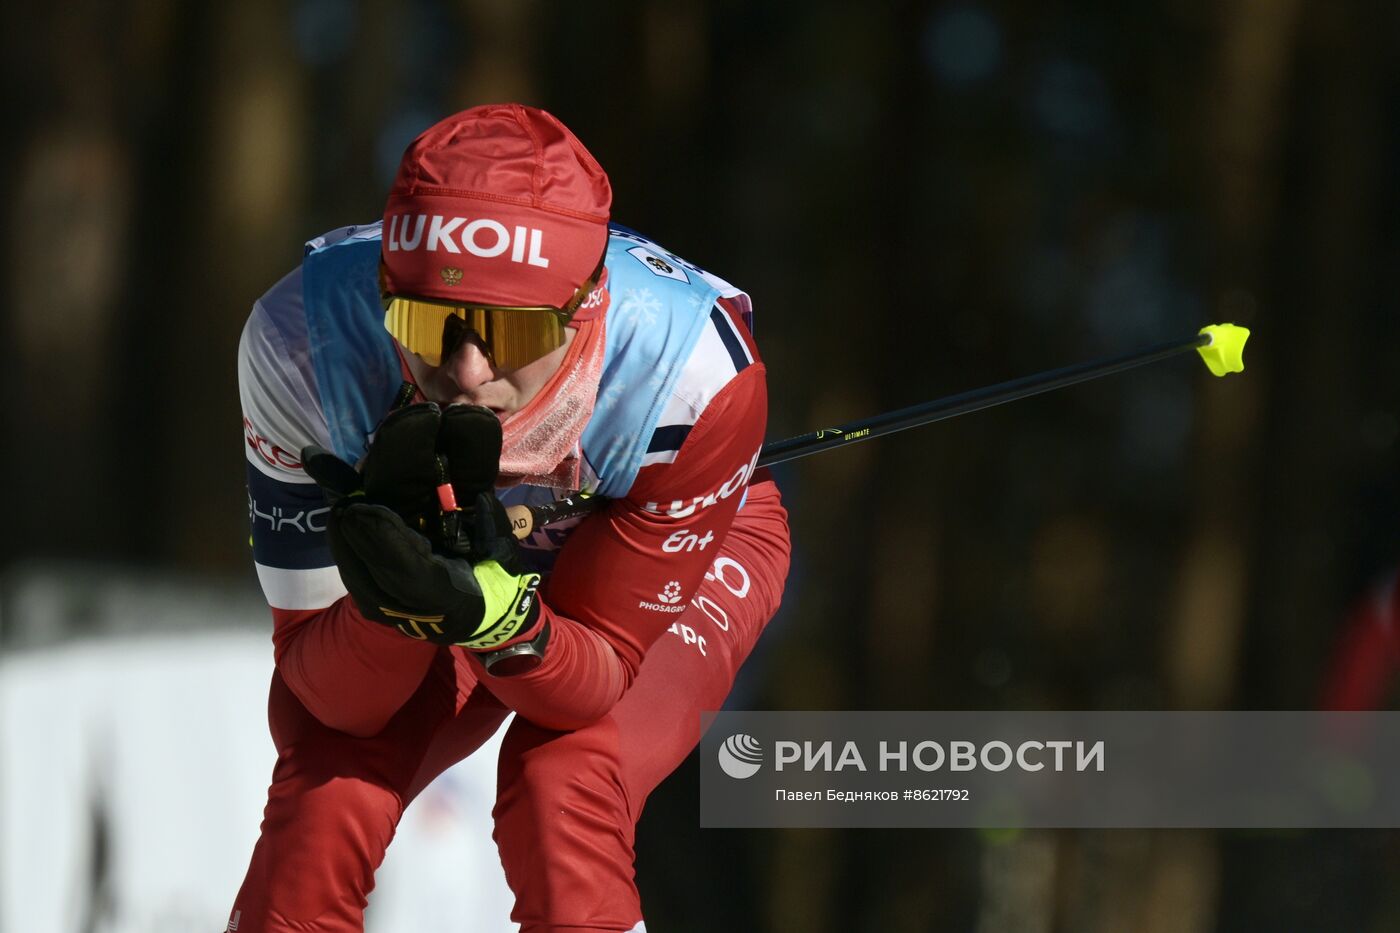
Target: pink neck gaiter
{"points": [[541, 440]]}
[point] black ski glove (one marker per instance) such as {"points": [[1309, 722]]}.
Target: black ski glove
{"points": [[397, 579], [472, 589]]}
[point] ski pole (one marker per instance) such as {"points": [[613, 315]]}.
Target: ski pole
{"points": [[1221, 346]]}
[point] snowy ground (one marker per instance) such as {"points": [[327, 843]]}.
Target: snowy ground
{"points": [[154, 748]]}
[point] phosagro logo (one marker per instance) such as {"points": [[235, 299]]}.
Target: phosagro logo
{"points": [[670, 597], [740, 756]]}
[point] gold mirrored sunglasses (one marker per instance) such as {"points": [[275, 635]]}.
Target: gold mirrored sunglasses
{"points": [[511, 336]]}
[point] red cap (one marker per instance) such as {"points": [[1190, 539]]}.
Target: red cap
{"points": [[496, 205]]}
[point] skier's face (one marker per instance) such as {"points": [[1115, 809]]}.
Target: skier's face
{"points": [[469, 376]]}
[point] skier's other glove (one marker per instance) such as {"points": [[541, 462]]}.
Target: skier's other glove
{"points": [[469, 449], [401, 468]]}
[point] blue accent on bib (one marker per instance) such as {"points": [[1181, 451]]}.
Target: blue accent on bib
{"points": [[357, 368], [654, 320]]}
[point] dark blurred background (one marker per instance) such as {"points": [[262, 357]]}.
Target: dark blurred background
{"points": [[922, 198]]}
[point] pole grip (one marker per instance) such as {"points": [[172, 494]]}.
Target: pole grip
{"points": [[524, 519]]}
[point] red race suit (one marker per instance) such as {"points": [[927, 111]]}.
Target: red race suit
{"points": [[654, 602]]}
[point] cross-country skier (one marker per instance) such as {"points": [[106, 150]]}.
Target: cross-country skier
{"points": [[546, 352]]}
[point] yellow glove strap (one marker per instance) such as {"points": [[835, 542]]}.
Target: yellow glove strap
{"points": [[509, 601]]}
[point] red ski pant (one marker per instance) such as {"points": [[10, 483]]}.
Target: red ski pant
{"points": [[567, 802]]}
